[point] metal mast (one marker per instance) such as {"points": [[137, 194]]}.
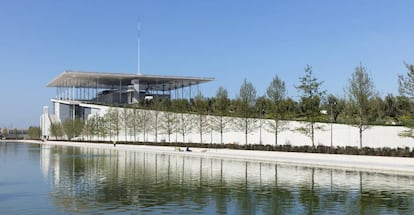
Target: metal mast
{"points": [[139, 48]]}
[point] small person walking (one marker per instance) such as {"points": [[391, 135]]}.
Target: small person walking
{"points": [[114, 143]]}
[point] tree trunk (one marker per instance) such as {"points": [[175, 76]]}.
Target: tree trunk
{"points": [[360, 132], [221, 136], [201, 128], [156, 128], [126, 133], [245, 130], [275, 137], [211, 135], [221, 129], [145, 128], [169, 137], [276, 131], [312, 135], [183, 130], [135, 134]]}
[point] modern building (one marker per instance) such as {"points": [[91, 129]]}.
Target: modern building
{"points": [[78, 93]]}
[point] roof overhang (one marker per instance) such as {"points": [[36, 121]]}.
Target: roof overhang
{"points": [[80, 79]]}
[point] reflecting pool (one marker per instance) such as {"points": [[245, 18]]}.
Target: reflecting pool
{"points": [[46, 179]]}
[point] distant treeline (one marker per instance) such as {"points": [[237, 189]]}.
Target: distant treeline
{"points": [[32, 132]]}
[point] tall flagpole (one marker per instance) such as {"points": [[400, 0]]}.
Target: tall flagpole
{"points": [[139, 48]]}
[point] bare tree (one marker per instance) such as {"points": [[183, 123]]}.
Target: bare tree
{"points": [[360, 91], [308, 128], [220, 124], [186, 124], [169, 123], [186, 121]]}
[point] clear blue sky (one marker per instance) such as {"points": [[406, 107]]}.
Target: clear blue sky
{"points": [[228, 40]]}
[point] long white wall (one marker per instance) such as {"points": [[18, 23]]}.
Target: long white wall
{"points": [[342, 135]]}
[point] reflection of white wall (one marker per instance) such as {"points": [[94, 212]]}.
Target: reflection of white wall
{"points": [[343, 135], [45, 160], [194, 170]]}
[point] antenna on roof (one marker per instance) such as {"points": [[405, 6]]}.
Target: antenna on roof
{"points": [[139, 48]]}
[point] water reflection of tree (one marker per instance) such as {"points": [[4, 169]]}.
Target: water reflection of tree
{"points": [[91, 178], [277, 197]]}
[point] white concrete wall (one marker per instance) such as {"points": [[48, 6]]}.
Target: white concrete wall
{"points": [[45, 122], [343, 135]]}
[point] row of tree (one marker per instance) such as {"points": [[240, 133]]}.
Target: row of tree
{"points": [[14, 133], [360, 106]]}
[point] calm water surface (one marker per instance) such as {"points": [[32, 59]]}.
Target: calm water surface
{"points": [[44, 179]]}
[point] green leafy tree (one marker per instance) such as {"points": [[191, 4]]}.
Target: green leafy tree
{"points": [[200, 107], [276, 93], [246, 109], [262, 108], [360, 91], [146, 120], [404, 109], [141, 122], [406, 89], [157, 107], [390, 106], [311, 97], [4, 132], [102, 126], [135, 121], [72, 128], [406, 83], [56, 130], [220, 108], [335, 107], [114, 123], [90, 128], [169, 124], [16, 133], [34, 132], [125, 121], [185, 126], [292, 108], [377, 113]]}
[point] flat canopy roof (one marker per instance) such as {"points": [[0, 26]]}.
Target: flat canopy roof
{"points": [[80, 79]]}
